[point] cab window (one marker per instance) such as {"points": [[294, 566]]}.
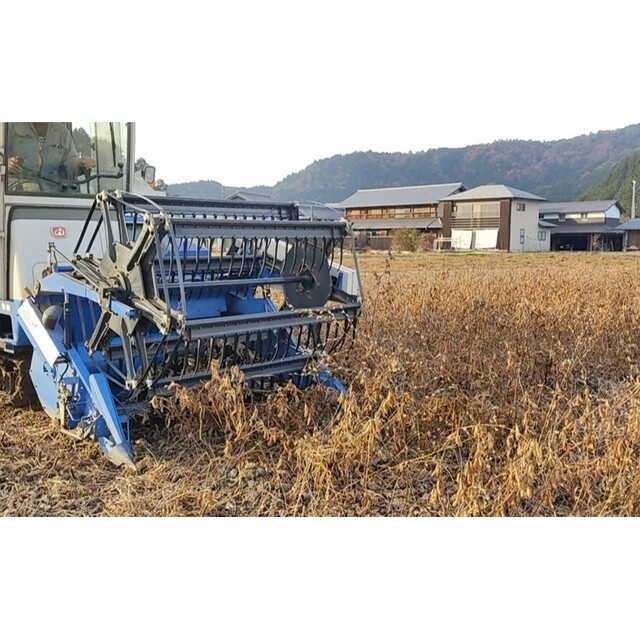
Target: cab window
{"points": [[65, 158]]}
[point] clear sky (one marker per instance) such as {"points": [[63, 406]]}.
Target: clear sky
{"points": [[250, 92]]}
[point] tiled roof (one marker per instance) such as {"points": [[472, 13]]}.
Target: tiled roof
{"points": [[630, 225], [493, 192], [588, 206], [249, 196], [401, 196]]}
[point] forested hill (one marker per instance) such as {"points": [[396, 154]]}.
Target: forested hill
{"points": [[557, 170], [210, 189], [618, 185]]}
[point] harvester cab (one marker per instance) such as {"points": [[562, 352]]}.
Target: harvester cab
{"points": [[108, 297]]}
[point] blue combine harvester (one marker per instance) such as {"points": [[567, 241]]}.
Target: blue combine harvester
{"points": [[109, 297]]}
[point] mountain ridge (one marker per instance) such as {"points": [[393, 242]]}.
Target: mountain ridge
{"points": [[557, 170]]}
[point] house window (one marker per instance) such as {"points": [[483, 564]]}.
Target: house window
{"points": [[542, 235], [521, 236], [520, 206]]}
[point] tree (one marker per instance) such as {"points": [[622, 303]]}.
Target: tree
{"points": [[618, 184], [82, 142]]}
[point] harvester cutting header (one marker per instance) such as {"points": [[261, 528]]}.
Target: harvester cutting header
{"points": [[111, 297]]}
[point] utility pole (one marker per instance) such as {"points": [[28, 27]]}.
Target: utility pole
{"points": [[633, 200]]}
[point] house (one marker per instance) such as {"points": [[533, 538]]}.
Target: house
{"points": [[248, 196], [310, 210], [631, 237], [494, 216], [319, 211], [584, 226], [376, 214]]}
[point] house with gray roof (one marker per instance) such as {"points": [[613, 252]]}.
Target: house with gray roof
{"points": [[249, 196], [308, 210], [631, 237], [494, 216], [381, 211], [400, 196], [584, 226]]}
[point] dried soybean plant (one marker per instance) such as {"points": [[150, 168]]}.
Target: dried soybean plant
{"points": [[480, 385]]}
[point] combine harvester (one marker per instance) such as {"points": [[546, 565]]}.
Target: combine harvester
{"points": [[108, 298]]}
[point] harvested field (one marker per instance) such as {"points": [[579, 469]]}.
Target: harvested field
{"points": [[480, 385]]}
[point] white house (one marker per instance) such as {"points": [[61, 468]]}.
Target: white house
{"points": [[495, 217]]}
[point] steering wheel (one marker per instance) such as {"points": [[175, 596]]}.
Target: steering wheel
{"points": [[18, 180]]}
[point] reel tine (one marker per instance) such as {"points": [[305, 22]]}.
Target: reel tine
{"points": [[197, 266], [254, 249], [275, 256], [324, 254], [236, 343], [300, 328], [243, 258], [314, 252], [231, 252], [272, 347], [197, 362], [295, 253], [263, 245], [221, 258]]}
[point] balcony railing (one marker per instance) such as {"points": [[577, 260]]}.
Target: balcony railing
{"points": [[475, 223], [390, 213]]}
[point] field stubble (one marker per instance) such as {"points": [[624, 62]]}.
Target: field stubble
{"points": [[478, 386]]}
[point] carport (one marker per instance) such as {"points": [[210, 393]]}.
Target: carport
{"points": [[580, 237]]}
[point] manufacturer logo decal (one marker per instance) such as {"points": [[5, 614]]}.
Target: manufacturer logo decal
{"points": [[58, 232]]}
